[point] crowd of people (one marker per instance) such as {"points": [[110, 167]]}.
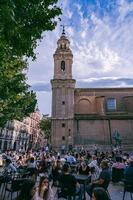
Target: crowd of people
{"points": [[41, 171]]}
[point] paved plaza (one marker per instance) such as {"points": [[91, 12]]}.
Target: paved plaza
{"points": [[115, 191]]}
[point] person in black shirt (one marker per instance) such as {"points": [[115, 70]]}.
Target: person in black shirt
{"points": [[68, 184], [103, 180], [56, 171], [100, 194], [128, 173], [84, 169]]}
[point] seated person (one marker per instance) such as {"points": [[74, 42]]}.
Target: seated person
{"points": [[44, 191], [103, 180], [31, 167], [68, 183], [7, 170], [93, 162], [118, 170], [128, 173], [56, 171], [100, 194], [84, 169], [118, 164]]}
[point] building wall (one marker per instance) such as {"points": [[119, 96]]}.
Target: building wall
{"points": [[91, 132], [97, 131], [19, 135], [94, 123], [89, 94]]}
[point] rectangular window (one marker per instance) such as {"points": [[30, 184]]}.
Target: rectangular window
{"points": [[63, 102], [111, 104], [63, 125], [63, 138]]}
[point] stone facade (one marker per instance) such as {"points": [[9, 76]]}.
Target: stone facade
{"points": [[22, 135], [87, 115]]}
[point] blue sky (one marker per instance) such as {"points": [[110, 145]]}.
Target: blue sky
{"points": [[101, 36]]}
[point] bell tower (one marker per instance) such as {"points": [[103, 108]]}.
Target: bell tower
{"points": [[62, 94]]}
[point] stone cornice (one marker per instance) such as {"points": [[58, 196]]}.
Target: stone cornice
{"points": [[66, 83], [60, 118], [107, 116], [125, 89]]}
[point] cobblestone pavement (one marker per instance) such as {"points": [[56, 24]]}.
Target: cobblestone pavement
{"points": [[115, 191]]}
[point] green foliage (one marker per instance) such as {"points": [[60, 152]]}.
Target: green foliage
{"points": [[16, 101], [45, 126], [22, 23]]}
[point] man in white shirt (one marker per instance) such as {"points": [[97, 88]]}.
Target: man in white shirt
{"points": [[94, 167], [93, 163]]}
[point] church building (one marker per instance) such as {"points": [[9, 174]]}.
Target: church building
{"points": [[86, 116]]}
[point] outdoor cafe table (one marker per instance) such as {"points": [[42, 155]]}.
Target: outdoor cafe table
{"points": [[83, 179]]}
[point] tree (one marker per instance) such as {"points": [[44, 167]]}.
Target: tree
{"points": [[22, 23], [16, 101], [45, 126]]}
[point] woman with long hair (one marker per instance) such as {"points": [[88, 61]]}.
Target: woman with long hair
{"points": [[44, 191]]}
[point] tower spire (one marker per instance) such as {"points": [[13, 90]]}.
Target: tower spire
{"points": [[63, 29]]}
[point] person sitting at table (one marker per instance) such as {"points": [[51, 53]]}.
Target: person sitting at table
{"points": [[94, 168], [56, 171], [119, 164], [103, 180], [44, 191], [84, 169], [70, 158], [93, 162], [118, 170], [68, 183], [31, 167], [19, 162], [100, 194], [8, 169], [128, 173], [43, 164]]}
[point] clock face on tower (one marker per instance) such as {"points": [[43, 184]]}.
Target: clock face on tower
{"points": [[62, 65]]}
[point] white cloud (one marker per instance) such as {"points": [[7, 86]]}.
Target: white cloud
{"points": [[69, 14], [44, 102], [102, 48], [70, 31], [124, 9]]}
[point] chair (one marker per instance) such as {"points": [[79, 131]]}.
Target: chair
{"points": [[106, 188], [14, 186], [65, 194], [67, 191], [117, 174], [108, 194], [128, 187]]}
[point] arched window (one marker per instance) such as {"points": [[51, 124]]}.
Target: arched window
{"points": [[63, 65]]}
